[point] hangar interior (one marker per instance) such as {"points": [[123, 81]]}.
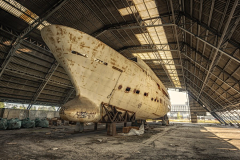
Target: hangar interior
{"points": [[190, 45]]}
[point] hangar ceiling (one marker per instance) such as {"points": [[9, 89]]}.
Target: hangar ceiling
{"points": [[192, 45]]}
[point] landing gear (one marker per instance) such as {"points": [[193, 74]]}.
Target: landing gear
{"points": [[95, 126], [165, 121], [115, 115], [138, 123], [79, 127], [111, 129]]}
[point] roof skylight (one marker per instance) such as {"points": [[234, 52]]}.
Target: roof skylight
{"points": [[18, 10], [148, 9], [127, 10]]}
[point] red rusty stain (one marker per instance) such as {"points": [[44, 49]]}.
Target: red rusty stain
{"points": [[120, 87], [59, 50], [82, 44], [51, 39], [49, 31], [72, 37], [64, 49], [114, 60], [99, 45], [103, 47], [79, 38], [58, 40], [71, 62], [60, 30], [124, 68]]}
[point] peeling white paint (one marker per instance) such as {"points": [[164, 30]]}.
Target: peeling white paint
{"points": [[97, 72]]}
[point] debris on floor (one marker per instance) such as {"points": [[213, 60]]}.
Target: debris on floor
{"points": [[178, 141], [133, 131]]}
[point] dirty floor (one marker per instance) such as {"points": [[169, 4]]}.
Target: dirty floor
{"points": [[177, 141]]}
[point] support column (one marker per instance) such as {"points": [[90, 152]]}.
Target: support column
{"points": [[193, 118], [95, 126], [79, 127], [111, 129], [165, 121]]}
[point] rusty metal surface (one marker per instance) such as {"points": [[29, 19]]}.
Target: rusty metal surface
{"points": [[111, 114], [100, 74]]}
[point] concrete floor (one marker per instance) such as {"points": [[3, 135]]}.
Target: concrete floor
{"points": [[177, 141]]}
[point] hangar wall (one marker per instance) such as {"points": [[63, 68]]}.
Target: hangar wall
{"points": [[24, 113]]}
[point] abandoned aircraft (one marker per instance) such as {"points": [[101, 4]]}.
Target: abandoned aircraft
{"points": [[108, 85]]}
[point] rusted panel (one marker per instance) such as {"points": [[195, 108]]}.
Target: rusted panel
{"points": [[100, 74]]}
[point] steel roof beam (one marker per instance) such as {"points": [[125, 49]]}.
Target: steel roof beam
{"points": [[13, 100], [211, 112], [136, 49], [147, 36], [200, 102], [206, 101], [161, 59], [211, 73], [26, 31], [229, 76], [219, 86], [214, 100], [26, 39], [219, 94], [198, 37], [211, 45], [176, 36], [219, 110], [198, 31], [36, 77], [147, 46], [207, 26], [208, 61], [220, 43], [44, 83], [137, 27], [67, 96], [132, 25]]}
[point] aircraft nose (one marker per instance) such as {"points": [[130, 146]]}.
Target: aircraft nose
{"points": [[48, 34]]}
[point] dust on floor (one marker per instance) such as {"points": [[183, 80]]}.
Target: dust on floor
{"points": [[177, 141]]}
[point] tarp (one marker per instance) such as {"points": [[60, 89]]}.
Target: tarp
{"points": [[14, 123], [3, 123], [41, 123], [27, 123], [134, 132]]}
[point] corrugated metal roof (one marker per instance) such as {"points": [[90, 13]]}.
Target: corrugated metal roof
{"points": [[209, 71]]}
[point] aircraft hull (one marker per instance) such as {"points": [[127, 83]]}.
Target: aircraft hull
{"points": [[102, 75]]}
